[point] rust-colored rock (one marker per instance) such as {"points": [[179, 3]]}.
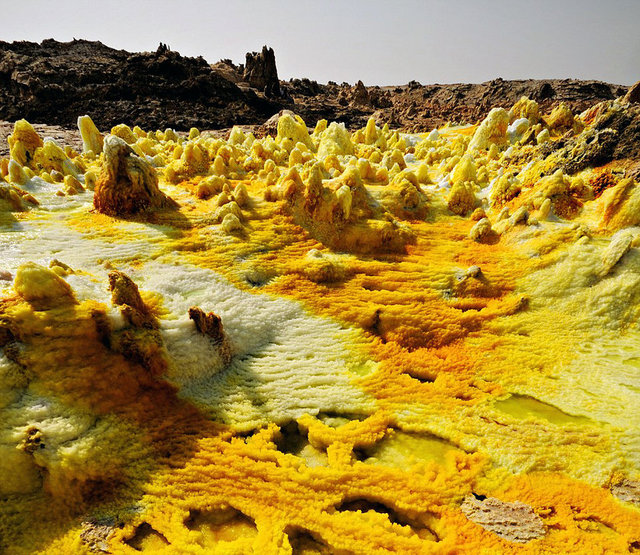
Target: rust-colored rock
{"points": [[125, 294], [152, 89], [140, 341], [162, 88], [633, 94], [127, 184], [210, 324], [228, 70], [207, 323]]}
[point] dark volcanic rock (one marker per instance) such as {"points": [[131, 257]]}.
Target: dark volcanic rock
{"points": [[304, 87], [261, 73], [230, 71], [416, 107], [592, 148], [55, 82]]}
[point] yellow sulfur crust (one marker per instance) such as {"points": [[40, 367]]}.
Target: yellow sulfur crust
{"points": [[318, 342]]}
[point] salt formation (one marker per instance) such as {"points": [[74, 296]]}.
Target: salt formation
{"points": [[527, 109], [92, 139], [561, 119], [335, 140], [242, 374], [481, 231], [54, 159], [291, 131], [23, 143], [492, 131], [42, 286], [127, 183], [341, 213], [14, 199]]}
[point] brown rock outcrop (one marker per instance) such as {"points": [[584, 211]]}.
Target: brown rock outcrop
{"points": [[261, 73], [125, 294], [54, 82], [360, 95], [633, 94], [210, 324], [139, 340]]}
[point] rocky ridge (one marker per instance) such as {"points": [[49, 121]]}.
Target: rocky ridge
{"points": [[53, 82]]}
